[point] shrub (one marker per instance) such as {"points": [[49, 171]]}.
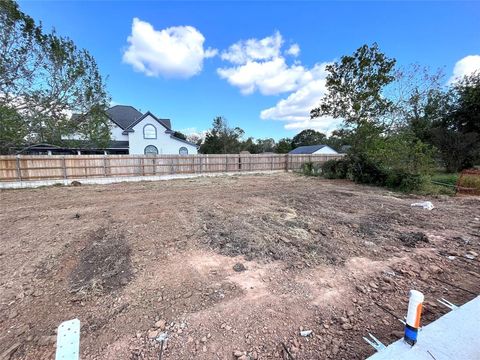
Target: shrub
{"points": [[404, 181], [335, 169], [366, 171], [310, 169]]}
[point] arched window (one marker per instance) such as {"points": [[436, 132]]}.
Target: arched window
{"points": [[151, 150], [183, 151], [149, 132]]}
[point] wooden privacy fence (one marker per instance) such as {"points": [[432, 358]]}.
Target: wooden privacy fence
{"points": [[46, 167]]}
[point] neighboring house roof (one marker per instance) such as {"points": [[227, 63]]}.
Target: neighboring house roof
{"points": [[307, 149], [117, 144], [185, 141], [164, 122]]}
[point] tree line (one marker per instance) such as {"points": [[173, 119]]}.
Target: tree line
{"points": [[223, 139]]}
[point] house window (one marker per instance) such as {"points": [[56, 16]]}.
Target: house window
{"points": [[149, 132], [151, 150], [183, 151]]}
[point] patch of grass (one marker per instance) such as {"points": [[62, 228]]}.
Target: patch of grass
{"points": [[433, 184], [434, 189], [447, 178]]}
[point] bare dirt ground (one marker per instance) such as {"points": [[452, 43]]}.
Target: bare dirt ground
{"points": [[230, 267]]}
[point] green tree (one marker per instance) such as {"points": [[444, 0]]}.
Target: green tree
{"points": [[93, 129], [467, 107], [283, 146], [13, 130], [402, 151], [250, 146], [355, 87], [265, 145], [180, 135], [339, 139], [45, 77], [222, 139], [456, 131], [308, 137]]}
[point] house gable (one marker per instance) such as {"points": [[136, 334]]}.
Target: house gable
{"points": [[326, 150], [150, 132], [164, 122], [313, 149]]}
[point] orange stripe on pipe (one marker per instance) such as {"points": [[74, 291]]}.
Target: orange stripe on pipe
{"points": [[419, 313]]}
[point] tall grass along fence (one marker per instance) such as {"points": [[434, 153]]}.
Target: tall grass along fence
{"points": [[51, 167]]}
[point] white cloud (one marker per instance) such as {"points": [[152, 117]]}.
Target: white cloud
{"points": [[294, 110], [172, 52], [259, 65], [294, 50], [465, 66], [254, 49], [269, 77]]}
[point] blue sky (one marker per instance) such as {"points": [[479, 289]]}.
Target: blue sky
{"points": [[259, 64]]}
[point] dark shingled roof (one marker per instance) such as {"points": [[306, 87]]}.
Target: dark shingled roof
{"points": [[307, 149], [123, 115], [166, 122], [127, 116]]}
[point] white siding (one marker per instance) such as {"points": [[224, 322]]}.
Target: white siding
{"points": [[74, 136], [326, 150], [164, 143], [116, 133]]}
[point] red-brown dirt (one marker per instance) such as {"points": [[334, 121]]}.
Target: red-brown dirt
{"points": [[131, 260]]}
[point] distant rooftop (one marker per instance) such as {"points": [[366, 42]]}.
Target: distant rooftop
{"points": [[310, 149]]}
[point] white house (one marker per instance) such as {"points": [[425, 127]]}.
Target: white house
{"points": [[313, 149], [145, 133], [131, 132]]}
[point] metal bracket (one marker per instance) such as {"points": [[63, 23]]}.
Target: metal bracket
{"points": [[375, 343], [68, 340], [447, 304]]}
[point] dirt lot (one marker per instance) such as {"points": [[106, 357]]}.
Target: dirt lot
{"points": [[228, 264]]}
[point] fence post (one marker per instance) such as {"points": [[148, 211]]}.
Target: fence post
{"points": [[286, 162], [105, 165], [200, 158], [19, 171], [271, 167], [64, 164], [226, 163], [155, 165]]}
